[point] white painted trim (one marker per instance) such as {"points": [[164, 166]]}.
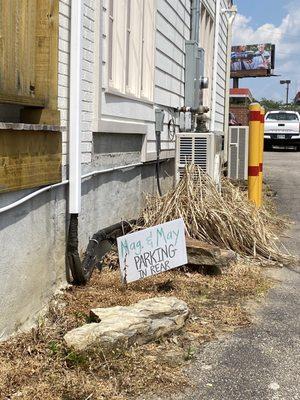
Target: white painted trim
{"points": [[233, 96], [121, 127], [98, 59], [116, 92]]}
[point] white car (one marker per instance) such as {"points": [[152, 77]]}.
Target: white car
{"points": [[282, 128]]}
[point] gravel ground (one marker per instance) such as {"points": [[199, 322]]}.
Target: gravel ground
{"points": [[261, 362]]}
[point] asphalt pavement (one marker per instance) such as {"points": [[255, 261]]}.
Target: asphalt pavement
{"points": [[261, 362]]}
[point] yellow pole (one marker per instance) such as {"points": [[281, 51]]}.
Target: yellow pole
{"points": [[254, 152], [261, 155]]}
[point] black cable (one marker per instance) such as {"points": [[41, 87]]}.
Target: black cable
{"points": [[157, 167]]}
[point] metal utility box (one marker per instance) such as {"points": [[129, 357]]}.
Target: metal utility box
{"points": [[194, 74]]}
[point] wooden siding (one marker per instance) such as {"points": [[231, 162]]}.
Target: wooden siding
{"points": [[29, 159], [29, 52]]}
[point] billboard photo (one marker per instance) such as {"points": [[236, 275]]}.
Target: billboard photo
{"points": [[252, 60]]}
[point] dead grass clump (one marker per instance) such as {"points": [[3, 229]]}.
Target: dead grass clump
{"points": [[224, 218]]}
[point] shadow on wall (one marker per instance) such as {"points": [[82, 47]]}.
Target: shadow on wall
{"points": [[105, 143]]}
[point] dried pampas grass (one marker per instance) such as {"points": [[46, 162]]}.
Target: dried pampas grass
{"points": [[225, 217]]}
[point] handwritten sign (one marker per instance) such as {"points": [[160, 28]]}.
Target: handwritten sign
{"points": [[152, 250]]}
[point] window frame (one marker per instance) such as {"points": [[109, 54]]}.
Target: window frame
{"points": [[126, 62]]}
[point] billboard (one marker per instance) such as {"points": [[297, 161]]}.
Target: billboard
{"points": [[252, 60]]}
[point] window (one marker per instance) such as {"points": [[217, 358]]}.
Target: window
{"points": [[282, 116], [206, 41], [131, 40]]}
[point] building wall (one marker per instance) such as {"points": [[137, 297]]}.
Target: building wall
{"points": [[32, 265], [116, 131], [241, 113], [124, 114], [210, 5]]}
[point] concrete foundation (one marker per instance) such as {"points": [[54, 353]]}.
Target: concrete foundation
{"points": [[33, 235]]}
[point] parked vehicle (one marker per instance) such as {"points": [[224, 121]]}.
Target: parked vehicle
{"points": [[282, 128]]}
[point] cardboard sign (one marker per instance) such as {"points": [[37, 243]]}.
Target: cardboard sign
{"points": [[152, 250]]}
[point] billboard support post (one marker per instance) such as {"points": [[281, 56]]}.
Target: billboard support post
{"points": [[235, 83], [287, 83]]}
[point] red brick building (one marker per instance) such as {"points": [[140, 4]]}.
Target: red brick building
{"points": [[240, 99]]}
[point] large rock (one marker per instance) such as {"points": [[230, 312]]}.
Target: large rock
{"points": [[136, 324], [200, 253]]}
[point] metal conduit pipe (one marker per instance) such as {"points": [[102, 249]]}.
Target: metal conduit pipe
{"points": [[195, 20], [231, 14]]}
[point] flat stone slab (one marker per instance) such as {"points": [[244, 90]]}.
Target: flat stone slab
{"points": [[201, 253], [139, 323]]}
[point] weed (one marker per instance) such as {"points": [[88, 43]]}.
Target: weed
{"points": [[54, 347], [190, 354], [81, 316], [75, 359]]}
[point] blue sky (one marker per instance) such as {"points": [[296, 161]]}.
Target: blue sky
{"points": [[271, 21]]}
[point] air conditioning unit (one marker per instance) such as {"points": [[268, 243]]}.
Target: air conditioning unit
{"points": [[202, 149], [238, 152]]}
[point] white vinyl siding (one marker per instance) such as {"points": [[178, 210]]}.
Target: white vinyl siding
{"points": [[210, 7], [221, 73], [172, 30]]}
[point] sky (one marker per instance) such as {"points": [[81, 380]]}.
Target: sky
{"points": [[276, 22]]}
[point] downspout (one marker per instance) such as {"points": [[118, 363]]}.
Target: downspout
{"points": [[195, 20], [73, 259], [215, 67], [75, 108], [230, 20]]}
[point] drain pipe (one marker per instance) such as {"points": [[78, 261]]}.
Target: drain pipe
{"points": [[231, 16], [73, 259], [215, 67]]}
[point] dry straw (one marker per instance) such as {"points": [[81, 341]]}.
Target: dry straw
{"points": [[222, 217]]}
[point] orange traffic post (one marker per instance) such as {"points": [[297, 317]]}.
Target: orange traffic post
{"points": [[254, 153], [261, 154]]}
